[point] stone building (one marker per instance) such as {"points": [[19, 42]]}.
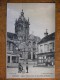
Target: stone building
{"points": [[12, 55], [46, 49], [22, 43]]}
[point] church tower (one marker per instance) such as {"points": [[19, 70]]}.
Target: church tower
{"points": [[22, 28]]}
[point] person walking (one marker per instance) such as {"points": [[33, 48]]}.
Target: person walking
{"points": [[27, 66], [20, 68]]}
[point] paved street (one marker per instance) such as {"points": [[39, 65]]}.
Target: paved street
{"points": [[40, 72]]}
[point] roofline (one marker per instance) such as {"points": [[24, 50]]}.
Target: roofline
{"points": [[48, 40]]}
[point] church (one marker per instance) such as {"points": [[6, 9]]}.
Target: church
{"points": [[21, 45]]}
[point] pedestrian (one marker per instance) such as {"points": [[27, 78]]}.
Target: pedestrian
{"points": [[20, 68], [27, 66]]}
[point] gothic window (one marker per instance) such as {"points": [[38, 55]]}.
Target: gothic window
{"points": [[20, 27]]}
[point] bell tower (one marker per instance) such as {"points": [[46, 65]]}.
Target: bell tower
{"points": [[22, 27]]}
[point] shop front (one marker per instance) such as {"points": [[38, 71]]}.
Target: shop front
{"points": [[12, 60], [45, 59]]}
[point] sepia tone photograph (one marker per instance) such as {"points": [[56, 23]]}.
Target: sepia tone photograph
{"points": [[30, 40]]}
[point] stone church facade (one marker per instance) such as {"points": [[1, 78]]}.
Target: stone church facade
{"points": [[21, 44]]}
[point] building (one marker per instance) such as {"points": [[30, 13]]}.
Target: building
{"points": [[22, 43], [12, 55], [33, 46], [45, 56], [22, 28]]}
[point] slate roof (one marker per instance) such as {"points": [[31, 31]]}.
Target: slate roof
{"points": [[11, 35], [47, 38]]}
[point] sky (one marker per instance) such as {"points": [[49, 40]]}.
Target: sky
{"points": [[41, 17]]}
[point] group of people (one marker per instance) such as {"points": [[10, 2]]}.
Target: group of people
{"points": [[20, 67]]}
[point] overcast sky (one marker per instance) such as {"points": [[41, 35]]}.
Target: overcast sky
{"points": [[41, 17]]}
